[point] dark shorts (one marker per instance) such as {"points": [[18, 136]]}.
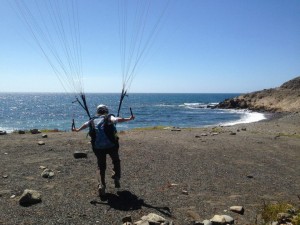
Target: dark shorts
{"points": [[114, 155]]}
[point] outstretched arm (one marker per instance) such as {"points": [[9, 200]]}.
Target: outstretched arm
{"points": [[84, 126], [120, 120]]}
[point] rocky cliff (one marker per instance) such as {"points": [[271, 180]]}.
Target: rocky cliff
{"points": [[285, 98]]}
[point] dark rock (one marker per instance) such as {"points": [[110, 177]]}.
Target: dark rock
{"points": [[30, 197], [127, 219], [78, 155], [21, 132], [35, 131], [176, 129], [2, 132]]}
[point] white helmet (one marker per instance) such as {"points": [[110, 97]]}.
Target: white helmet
{"points": [[102, 109]]}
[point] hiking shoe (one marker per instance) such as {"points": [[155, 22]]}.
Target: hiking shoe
{"points": [[101, 189], [117, 182]]}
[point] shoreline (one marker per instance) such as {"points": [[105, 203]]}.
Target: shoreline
{"points": [[266, 115]]}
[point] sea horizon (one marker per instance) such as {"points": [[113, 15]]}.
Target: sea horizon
{"points": [[74, 93]]}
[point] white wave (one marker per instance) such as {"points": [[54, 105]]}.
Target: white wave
{"points": [[190, 105], [7, 129], [198, 105], [246, 117], [165, 105]]}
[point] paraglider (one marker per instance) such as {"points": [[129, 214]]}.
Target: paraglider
{"points": [[54, 26], [137, 36]]}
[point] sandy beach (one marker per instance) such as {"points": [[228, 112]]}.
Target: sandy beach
{"points": [[176, 173]]}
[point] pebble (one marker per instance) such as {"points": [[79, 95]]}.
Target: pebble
{"points": [[237, 209], [222, 219], [41, 143], [185, 192], [44, 136], [153, 217], [47, 173], [206, 222]]}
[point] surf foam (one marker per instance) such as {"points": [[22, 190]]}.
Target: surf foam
{"points": [[246, 117]]}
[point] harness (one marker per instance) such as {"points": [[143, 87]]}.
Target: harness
{"points": [[103, 134]]}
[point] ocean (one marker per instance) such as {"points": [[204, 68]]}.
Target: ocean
{"points": [[24, 111]]}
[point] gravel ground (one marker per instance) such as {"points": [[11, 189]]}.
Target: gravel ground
{"points": [[175, 174]]}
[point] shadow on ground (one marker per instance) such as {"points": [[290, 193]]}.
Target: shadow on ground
{"points": [[126, 201]]}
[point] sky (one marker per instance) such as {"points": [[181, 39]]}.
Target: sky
{"points": [[202, 46]]}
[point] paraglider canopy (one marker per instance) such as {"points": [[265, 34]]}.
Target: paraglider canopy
{"points": [[54, 26]]}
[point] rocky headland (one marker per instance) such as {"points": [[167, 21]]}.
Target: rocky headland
{"points": [[285, 98]]}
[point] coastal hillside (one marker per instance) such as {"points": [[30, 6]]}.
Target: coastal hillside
{"points": [[285, 98]]}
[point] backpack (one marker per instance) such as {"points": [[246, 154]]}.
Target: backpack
{"points": [[103, 133]]}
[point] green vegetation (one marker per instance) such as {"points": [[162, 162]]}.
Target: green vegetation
{"points": [[51, 131], [37, 131], [271, 212], [290, 135], [150, 128], [217, 129]]}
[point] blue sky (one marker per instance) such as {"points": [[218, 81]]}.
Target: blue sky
{"points": [[203, 46]]}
